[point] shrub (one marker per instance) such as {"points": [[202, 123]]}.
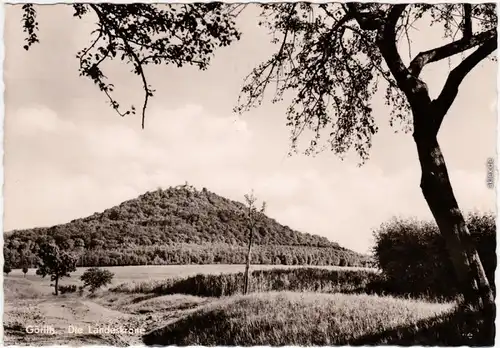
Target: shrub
{"points": [[25, 270], [6, 269], [95, 278], [414, 260], [67, 288]]}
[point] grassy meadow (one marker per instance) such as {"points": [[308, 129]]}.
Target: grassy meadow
{"points": [[188, 305], [295, 318], [412, 300]]}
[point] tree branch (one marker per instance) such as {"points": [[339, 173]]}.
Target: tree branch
{"points": [[371, 20], [133, 57], [386, 41], [448, 50], [467, 21], [140, 71], [450, 90]]}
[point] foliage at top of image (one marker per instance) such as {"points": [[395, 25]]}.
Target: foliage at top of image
{"points": [[146, 34], [331, 57]]}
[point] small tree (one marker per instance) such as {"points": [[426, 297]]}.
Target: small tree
{"points": [[253, 216], [6, 269], [95, 278], [55, 263], [24, 262]]}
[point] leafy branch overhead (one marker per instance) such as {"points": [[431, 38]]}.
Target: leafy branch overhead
{"points": [[144, 34], [332, 58]]}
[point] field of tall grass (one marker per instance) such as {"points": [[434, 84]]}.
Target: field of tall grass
{"points": [[296, 279], [160, 272], [299, 318]]}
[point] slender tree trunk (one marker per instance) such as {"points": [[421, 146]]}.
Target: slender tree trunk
{"points": [[438, 193], [247, 268], [56, 286]]}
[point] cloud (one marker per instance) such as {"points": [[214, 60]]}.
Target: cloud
{"points": [[32, 120], [71, 170], [58, 170]]}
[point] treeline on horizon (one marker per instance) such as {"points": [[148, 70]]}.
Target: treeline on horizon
{"points": [[184, 254]]}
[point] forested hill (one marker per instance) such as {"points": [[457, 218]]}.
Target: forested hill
{"points": [[174, 215], [162, 218]]}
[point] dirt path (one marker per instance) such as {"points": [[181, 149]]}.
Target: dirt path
{"points": [[73, 320]]}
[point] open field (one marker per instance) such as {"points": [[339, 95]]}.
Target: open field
{"points": [[29, 301], [270, 317], [142, 273]]}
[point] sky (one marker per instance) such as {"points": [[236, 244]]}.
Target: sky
{"points": [[68, 154]]}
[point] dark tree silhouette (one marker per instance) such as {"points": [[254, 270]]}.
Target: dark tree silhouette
{"points": [[333, 57], [55, 263]]}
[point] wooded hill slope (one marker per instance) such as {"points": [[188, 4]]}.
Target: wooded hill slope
{"points": [[156, 223]]}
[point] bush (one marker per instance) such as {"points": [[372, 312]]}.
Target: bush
{"points": [[67, 288], [95, 278], [25, 270], [7, 269], [414, 260], [297, 279]]}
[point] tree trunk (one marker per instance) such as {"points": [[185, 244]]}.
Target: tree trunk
{"points": [[247, 268], [56, 286], [438, 193]]}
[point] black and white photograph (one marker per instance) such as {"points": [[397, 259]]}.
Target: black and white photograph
{"points": [[249, 174]]}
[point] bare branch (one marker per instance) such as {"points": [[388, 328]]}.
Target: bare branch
{"points": [[450, 90], [448, 50], [140, 70]]}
